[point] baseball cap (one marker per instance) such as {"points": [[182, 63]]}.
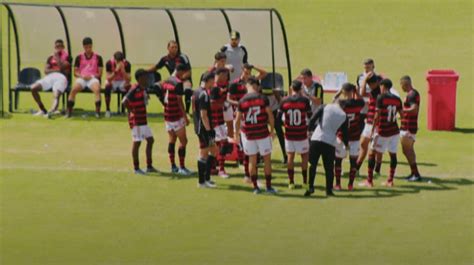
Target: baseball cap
{"points": [[235, 34]]}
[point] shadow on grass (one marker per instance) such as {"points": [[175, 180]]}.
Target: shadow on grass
{"points": [[464, 130], [83, 115]]}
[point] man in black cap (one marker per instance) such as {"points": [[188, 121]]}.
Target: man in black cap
{"points": [[236, 54]]}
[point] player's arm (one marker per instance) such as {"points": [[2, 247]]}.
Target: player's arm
{"points": [[315, 118], [271, 120], [413, 106], [238, 119], [127, 69], [157, 66], [377, 115], [246, 55], [362, 90], [205, 120], [232, 89], [179, 95], [109, 74], [345, 133], [100, 65], [77, 63], [47, 67], [126, 99], [261, 73]]}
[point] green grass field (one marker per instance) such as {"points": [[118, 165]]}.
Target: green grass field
{"points": [[68, 196]]}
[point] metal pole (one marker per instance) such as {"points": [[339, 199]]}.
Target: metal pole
{"points": [[273, 48]]}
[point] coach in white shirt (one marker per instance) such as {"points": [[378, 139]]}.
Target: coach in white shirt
{"points": [[328, 119]]}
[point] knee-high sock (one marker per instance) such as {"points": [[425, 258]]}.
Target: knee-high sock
{"points": [[70, 106], [291, 175], [246, 166], [209, 166], [393, 166], [202, 170], [352, 173], [107, 96], [171, 153], [182, 155], [97, 106], [370, 175], [304, 172], [222, 153]]}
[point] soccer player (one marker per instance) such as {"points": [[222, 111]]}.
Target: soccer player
{"points": [[326, 122], [352, 104], [372, 81], [255, 116], [218, 100], [236, 54], [88, 71], [118, 78], [237, 91], [296, 110], [175, 118], [135, 102], [58, 67], [313, 90], [385, 131], [409, 126], [203, 127], [170, 61]]}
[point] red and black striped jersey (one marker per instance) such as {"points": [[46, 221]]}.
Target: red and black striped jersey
{"points": [[254, 116], [388, 105], [374, 93], [136, 101], [218, 97], [296, 110], [352, 108], [410, 119], [172, 90], [237, 89]]}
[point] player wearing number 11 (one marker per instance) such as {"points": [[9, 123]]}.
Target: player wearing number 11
{"points": [[387, 132]]}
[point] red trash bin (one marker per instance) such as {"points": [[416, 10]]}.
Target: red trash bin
{"points": [[441, 99]]}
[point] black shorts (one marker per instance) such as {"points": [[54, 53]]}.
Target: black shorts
{"points": [[204, 140]]}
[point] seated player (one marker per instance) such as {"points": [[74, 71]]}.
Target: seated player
{"points": [[218, 100], [135, 102], [385, 131], [203, 127], [409, 126], [170, 61], [88, 71], [237, 91], [255, 115], [175, 118], [118, 78], [58, 67], [296, 111], [352, 104]]}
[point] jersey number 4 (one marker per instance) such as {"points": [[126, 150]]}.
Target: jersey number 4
{"points": [[252, 115], [392, 113]]}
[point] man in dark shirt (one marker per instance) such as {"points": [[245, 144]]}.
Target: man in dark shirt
{"points": [[170, 61], [135, 102], [203, 120]]}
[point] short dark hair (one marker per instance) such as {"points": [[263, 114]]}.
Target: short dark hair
{"points": [[86, 41], [387, 83], [348, 87], [406, 78], [369, 61], [118, 56], [374, 79], [235, 35], [221, 70], [139, 73], [247, 66], [296, 85], [220, 55], [208, 76], [252, 80], [306, 72], [182, 67], [59, 41]]}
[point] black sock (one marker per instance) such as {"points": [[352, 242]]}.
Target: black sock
{"points": [[202, 170]]}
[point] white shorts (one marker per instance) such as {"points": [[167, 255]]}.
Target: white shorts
{"points": [[141, 132], [341, 151], [118, 85], [408, 135], [221, 132], [229, 114], [299, 147], [175, 125], [382, 144], [367, 130], [55, 81], [87, 83], [261, 146]]}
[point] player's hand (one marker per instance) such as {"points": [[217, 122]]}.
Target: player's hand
{"points": [[369, 75], [87, 77], [186, 119], [272, 134]]}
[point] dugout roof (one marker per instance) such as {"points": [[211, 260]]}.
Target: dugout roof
{"points": [[142, 33]]}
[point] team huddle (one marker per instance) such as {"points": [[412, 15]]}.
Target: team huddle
{"points": [[233, 112]]}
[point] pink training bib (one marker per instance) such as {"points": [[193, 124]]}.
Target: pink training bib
{"points": [[89, 66]]}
